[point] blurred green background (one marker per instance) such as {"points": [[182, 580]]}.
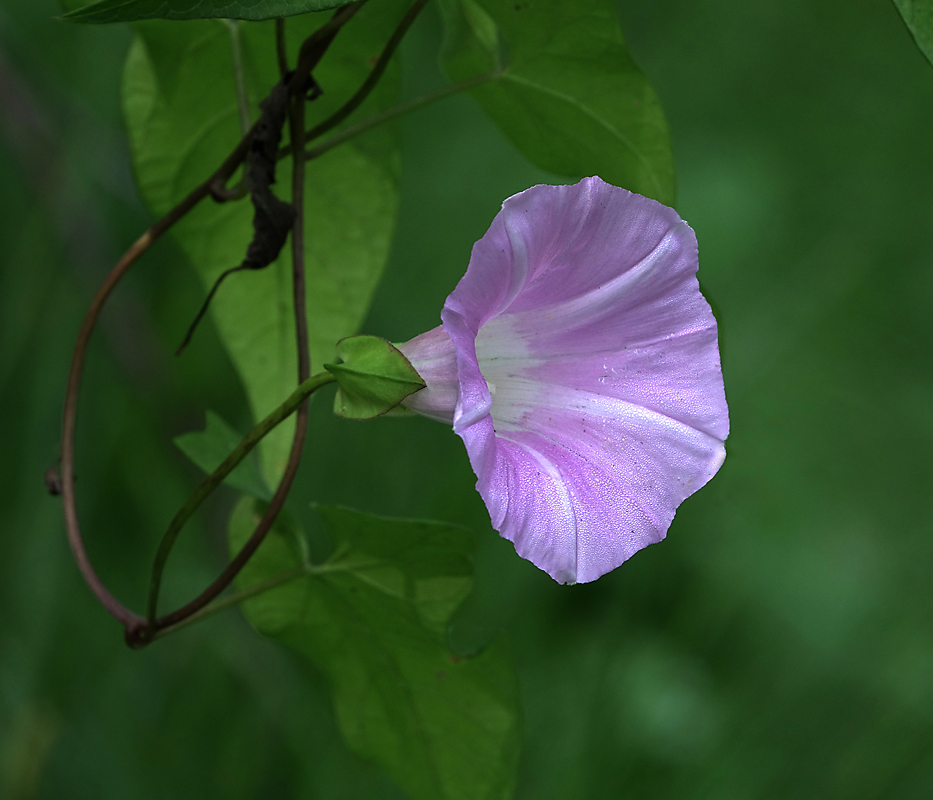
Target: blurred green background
{"points": [[777, 645]]}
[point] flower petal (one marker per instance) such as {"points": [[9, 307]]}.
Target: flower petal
{"points": [[432, 356], [614, 472], [590, 398]]}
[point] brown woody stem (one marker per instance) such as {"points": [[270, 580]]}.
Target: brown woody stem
{"points": [[296, 119], [396, 111], [373, 78], [130, 621], [212, 481], [137, 629]]}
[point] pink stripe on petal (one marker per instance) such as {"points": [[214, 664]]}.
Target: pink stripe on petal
{"points": [[626, 467], [678, 377]]}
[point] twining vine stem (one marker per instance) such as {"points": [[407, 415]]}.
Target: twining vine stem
{"points": [[308, 60], [312, 51], [296, 126], [140, 631], [246, 445], [373, 78], [130, 621], [234, 599], [396, 111]]}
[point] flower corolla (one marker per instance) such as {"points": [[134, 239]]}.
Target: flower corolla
{"points": [[580, 365]]}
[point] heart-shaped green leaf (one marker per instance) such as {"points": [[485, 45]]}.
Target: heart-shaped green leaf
{"points": [[374, 620], [563, 88], [180, 103]]}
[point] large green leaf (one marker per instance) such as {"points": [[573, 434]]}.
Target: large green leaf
{"points": [[135, 10], [566, 90], [918, 14], [181, 110], [374, 620]]}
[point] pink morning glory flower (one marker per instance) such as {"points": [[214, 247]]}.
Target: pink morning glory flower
{"points": [[579, 363]]}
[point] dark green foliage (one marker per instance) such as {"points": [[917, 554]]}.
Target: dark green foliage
{"points": [[180, 103], [208, 448], [374, 619], [777, 645], [565, 89], [918, 15], [135, 10]]}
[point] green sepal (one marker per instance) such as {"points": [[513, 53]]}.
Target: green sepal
{"points": [[372, 378], [135, 10]]}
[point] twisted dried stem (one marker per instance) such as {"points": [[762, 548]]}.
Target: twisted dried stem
{"points": [[138, 629]]}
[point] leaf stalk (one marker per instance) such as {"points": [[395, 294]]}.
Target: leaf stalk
{"points": [[396, 111]]}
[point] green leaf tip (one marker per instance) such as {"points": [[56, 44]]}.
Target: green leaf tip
{"points": [[372, 378], [918, 16], [208, 448], [105, 11], [568, 95]]}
